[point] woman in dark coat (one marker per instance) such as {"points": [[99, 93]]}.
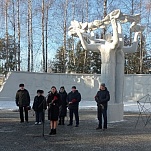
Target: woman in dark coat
{"points": [[63, 107], [53, 102], [39, 105]]}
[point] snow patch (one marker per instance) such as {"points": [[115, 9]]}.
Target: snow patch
{"points": [[90, 105]]}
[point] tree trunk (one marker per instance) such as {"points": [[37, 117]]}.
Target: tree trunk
{"points": [[6, 28], [104, 15], [14, 34], [18, 12], [43, 40], [85, 52], [73, 16], [64, 37], [141, 50], [47, 38], [31, 36]]}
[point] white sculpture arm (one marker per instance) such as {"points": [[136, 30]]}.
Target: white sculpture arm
{"points": [[92, 38], [114, 44], [133, 48], [85, 45]]}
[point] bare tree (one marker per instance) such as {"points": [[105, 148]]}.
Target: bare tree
{"points": [[46, 37], [31, 38], [18, 20], [14, 31], [43, 36], [6, 32], [73, 15], [87, 14], [104, 15], [64, 35], [141, 50]]}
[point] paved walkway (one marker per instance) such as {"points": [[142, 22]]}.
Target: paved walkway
{"points": [[120, 136]]}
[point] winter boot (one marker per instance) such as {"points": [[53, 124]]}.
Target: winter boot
{"points": [[52, 131], [63, 121], [59, 121], [99, 127]]}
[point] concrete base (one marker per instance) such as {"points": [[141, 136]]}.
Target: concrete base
{"points": [[115, 112]]}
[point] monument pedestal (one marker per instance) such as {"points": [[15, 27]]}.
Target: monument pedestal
{"points": [[115, 112]]}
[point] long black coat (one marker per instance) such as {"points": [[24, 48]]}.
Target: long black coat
{"points": [[75, 98], [63, 107], [53, 108], [102, 97], [39, 103], [22, 98]]}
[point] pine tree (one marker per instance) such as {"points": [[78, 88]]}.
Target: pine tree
{"points": [[132, 61], [71, 56], [79, 58], [96, 63], [8, 58], [60, 61]]}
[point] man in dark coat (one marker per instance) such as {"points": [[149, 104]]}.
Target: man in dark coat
{"points": [[73, 99], [53, 102], [39, 106], [23, 102], [102, 97], [63, 107]]}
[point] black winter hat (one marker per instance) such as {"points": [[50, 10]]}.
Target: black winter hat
{"points": [[40, 91], [73, 87], [103, 84], [62, 87], [21, 85]]}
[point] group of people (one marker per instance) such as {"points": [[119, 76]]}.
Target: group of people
{"points": [[57, 104]]}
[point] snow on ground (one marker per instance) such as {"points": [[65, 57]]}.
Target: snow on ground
{"points": [[131, 107], [128, 106]]}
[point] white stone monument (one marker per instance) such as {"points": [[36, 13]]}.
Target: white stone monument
{"points": [[112, 51]]}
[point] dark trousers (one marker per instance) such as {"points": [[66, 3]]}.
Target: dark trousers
{"points": [[61, 120], [76, 113], [39, 116], [104, 113], [21, 109]]}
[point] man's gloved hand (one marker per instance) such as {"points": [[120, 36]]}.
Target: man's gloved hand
{"points": [[102, 106]]}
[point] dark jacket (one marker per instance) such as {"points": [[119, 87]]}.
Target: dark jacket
{"points": [[102, 97], [75, 98], [63, 107], [53, 107], [22, 98], [39, 103]]}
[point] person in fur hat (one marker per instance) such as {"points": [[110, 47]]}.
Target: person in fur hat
{"points": [[39, 105], [73, 99], [23, 102]]}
